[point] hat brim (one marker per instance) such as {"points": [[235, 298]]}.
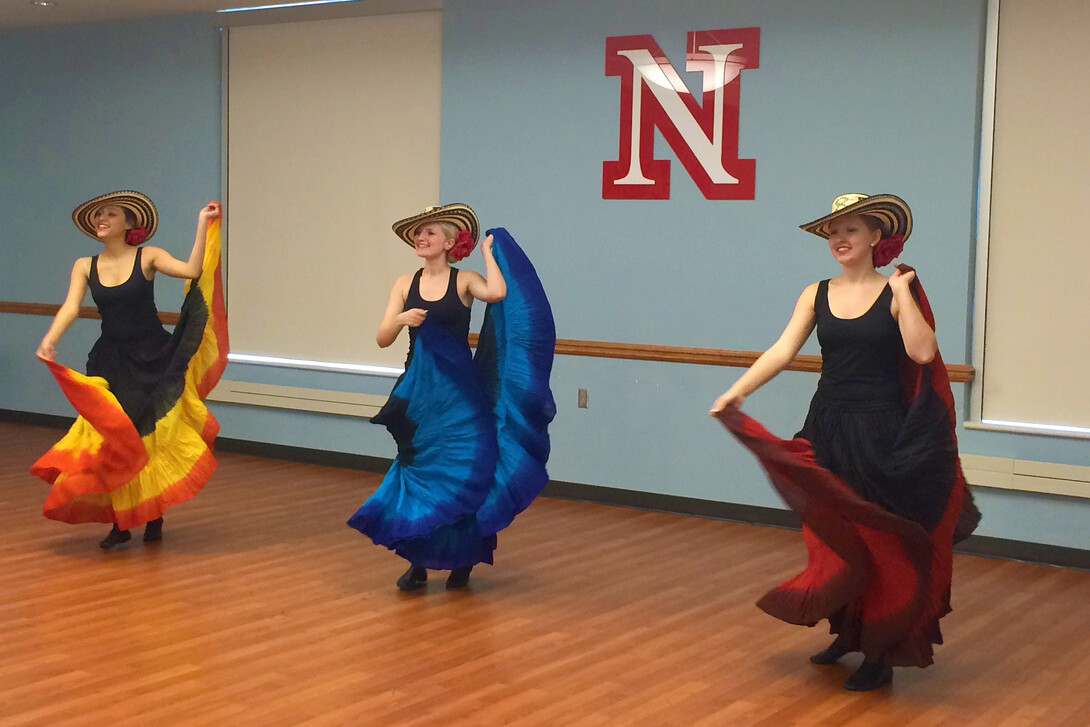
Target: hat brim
{"points": [[142, 208], [460, 215], [892, 211]]}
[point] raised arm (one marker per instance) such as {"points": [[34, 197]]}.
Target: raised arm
{"points": [[920, 342], [773, 361], [77, 288], [394, 318], [491, 288], [163, 262]]}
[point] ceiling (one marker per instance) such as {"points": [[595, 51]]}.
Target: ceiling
{"points": [[23, 13], [17, 13]]}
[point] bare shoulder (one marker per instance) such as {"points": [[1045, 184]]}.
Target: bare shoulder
{"points": [[150, 259], [809, 295], [401, 285], [82, 266], [153, 253], [465, 277]]}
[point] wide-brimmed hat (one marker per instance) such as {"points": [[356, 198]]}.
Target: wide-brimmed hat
{"points": [[142, 208], [890, 210], [460, 215]]}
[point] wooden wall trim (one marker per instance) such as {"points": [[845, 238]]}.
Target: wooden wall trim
{"points": [[50, 309], [959, 373]]}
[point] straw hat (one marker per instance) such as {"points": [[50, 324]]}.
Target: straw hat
{"points": [[891, 211], [460, 215], [141, 207]]}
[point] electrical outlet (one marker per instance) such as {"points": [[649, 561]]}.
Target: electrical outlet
{"points": [[582, 400]]}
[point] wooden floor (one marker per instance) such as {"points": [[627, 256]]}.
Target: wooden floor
{"points": [[260, 607]]}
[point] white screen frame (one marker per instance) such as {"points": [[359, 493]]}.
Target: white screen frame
{"points": [[977, 419], [396, 257]]}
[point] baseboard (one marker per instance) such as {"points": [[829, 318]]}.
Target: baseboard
{"points": [[1026, 552], [37, 419], [304, 455], [980, 545], [673, 504]]}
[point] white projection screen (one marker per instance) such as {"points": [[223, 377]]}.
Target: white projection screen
{"points": [[1036, 346], [332, 135]]}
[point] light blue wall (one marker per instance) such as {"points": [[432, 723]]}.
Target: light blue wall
{"points": [[91, 108], [84, 110], [529, 116], [852, 95]]}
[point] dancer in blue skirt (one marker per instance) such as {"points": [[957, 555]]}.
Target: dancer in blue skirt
{"points": [[471, 430]]}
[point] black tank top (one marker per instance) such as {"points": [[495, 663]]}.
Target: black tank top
{"points": [[127, 310], [860, 356], [448, 311]]}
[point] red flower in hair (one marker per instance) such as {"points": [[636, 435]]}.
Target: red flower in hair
{"points": [[887, 249], [136, 235], [463, 245]]}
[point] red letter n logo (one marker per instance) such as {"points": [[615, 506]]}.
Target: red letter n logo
{"points": [[704, 136]]}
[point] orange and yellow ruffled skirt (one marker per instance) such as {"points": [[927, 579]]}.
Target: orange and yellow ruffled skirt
{"points": [[105, 469]]}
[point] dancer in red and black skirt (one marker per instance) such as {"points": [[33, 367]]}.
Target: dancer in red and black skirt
{"points": [[143, 439], [874, 473]]}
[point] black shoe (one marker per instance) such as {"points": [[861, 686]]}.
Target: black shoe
{"points": [[153, 531], [115, 537], [869, 676], [459, 578], [413, 579], [829, 655]]}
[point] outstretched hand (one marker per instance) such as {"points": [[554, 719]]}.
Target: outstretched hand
{"points": [[46, 351], [728, 400]]}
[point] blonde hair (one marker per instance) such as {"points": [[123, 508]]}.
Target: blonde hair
{"points": [[450, 230]]}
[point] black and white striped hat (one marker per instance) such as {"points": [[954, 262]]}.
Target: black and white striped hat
{"points": [[891, 211], [142, 208]]}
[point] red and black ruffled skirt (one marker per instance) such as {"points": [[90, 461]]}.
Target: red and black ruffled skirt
{"points": [[882, 499]]}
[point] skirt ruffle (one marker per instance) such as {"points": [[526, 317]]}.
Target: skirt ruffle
{"points": [[881, 579], [868, 570], [905, 462], [144, 442], [137, 370], [471, 432], [438, 415], [458, 545], [515, 357]]}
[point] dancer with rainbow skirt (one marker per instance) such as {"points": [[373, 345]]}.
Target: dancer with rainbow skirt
{"points": [[143, 438], [470, 430]]}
